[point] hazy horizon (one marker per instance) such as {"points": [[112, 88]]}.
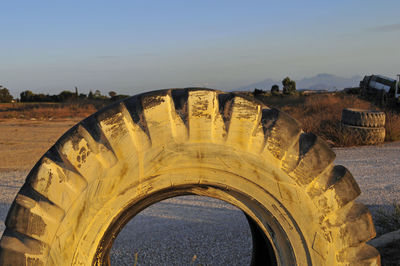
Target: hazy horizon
{"points": [[134, 46], [352, 81]]}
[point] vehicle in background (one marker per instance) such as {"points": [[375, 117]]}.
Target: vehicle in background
{"points": [[382, 89]]}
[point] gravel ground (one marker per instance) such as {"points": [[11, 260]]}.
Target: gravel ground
{"points": [[197, 230], [187, 229], [377, 171]]}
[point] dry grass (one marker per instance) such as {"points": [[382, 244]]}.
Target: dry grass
{"points": [[321, 114], [318, 113], [392, 126], [45, 110]]}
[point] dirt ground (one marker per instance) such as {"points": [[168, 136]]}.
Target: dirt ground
{"points": [[23, 142]]}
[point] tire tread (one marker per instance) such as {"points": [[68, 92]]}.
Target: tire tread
{"points": [[195, 115]]}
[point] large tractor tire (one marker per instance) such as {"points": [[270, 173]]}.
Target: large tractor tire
{"points": [[363, 118], [366, 135], [162, 144]]}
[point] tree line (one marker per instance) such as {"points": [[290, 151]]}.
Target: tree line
{"points": [[64, 96], [288, 87]]}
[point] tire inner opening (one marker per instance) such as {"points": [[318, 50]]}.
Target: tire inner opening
{"points": [[189, 230]]}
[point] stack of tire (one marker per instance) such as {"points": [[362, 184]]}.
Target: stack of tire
{"points": [[367, 125]]}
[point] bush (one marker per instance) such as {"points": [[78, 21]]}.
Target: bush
{"points": [[289, 86], [275, 89], [5, 96], [257, 92]]}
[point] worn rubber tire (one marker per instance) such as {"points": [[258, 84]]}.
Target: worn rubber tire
{"points": [[363, 118], [366, 135], [167, 143]]}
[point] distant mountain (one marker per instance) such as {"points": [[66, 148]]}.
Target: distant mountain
{"points": [[319, 82], [262, 85]]}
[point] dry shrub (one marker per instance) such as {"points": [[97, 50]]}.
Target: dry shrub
{"points": [[392, 126], [321, 114]]}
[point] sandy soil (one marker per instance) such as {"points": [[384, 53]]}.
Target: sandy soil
{"points": [[23, 142], [188, 229]]}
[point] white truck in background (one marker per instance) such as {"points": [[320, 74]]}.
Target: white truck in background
{"points": [[383, 89]]}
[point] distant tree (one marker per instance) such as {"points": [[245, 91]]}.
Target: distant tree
{"points": [[257, 92], [275, 89], [5, 96], [90, 95], [97, 94], [53, 98], [40, 98], [66, 96], [26, 96], [112, 94], [118, 97], [289, 86]]}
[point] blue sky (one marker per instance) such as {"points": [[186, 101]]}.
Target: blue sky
{"points": [[135, 46]]}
